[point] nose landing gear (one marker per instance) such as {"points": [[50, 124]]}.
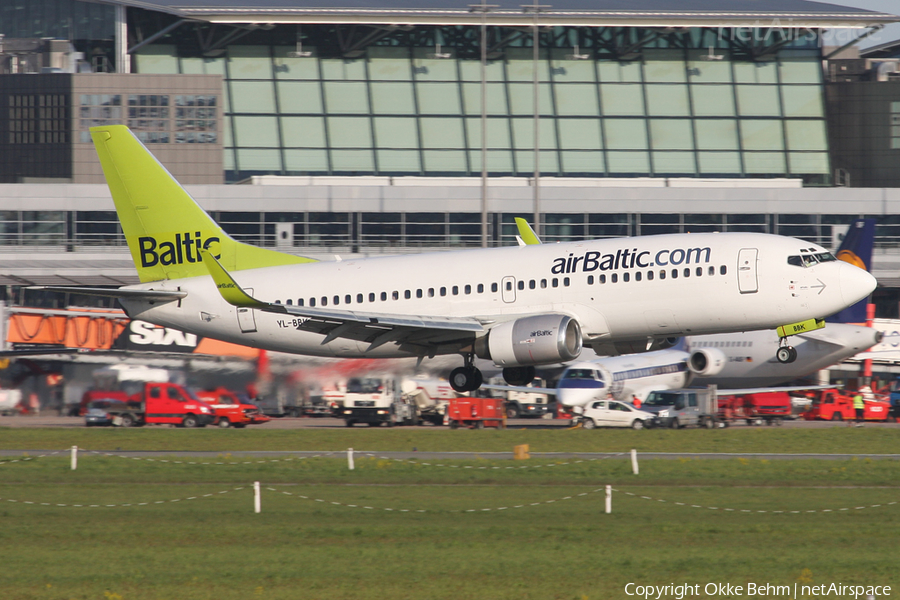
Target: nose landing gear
{"points": [[466, 378], [786, 354]]}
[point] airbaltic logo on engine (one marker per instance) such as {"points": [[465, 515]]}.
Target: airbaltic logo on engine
{"points": [[629, 259], [184, 248]]}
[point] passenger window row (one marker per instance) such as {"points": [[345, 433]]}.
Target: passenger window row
{"points": [[419, 293], [650, 275]]}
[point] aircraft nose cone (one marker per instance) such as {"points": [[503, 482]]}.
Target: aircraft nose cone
{"points": [[856, 284], [575, 396]]}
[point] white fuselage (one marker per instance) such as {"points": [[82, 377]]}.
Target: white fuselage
{"points": [[617, 289], [750, 358]]}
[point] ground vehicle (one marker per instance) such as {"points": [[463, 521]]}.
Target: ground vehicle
{"points": [[92, 396], [612, 413], [163, 403], [837, 405], [477, 413], [430, 396], [230, 410], [10, 401], [98, 412], [758, 408], [688, 407], [895, 398], [377, 400], [520, 403]]}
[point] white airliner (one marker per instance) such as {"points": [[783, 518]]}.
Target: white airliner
{"points": [[518, 306], [733, 360]]}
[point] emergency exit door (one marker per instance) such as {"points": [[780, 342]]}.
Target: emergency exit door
{"points": [[508, 289], [246, 318], [747, 281]]}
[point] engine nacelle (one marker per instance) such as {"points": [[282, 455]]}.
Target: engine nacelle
{"points": [[706, 362], [538, 340]]}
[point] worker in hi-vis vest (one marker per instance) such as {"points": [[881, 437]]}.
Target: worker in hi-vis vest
{"points": [[860, 406]]}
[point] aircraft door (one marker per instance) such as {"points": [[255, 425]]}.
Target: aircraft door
{"points": [[246, 318], [508, 289], [747, 283]]}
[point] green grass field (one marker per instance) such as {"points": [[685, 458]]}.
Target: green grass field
{"points": [[840, 439], [483, 532]]}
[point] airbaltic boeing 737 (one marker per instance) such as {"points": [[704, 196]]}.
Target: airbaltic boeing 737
{"points": [[517, 306]]}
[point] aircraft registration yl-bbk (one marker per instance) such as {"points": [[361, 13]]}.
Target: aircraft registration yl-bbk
{"points": [[517, 306]]}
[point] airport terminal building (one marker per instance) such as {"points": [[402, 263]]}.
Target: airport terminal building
{"points": [[413, 125]]}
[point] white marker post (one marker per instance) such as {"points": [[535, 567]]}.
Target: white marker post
{"points": [[257, 501], [74, 457], [608, 499], [634, 463], [350, 459]]}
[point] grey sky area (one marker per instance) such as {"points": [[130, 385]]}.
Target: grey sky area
{"points": [[889, 33]]}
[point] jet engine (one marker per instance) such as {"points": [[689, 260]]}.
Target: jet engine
{"points": [[538, 340], [706, 362]]}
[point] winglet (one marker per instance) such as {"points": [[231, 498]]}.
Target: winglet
{"points": [[527, 233], [227, 286]]}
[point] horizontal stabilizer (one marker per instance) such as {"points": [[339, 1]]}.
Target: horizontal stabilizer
{"points": [[42, 351], [131, 294]]}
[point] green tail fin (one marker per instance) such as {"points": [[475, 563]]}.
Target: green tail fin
{"points": [[164, 227]]}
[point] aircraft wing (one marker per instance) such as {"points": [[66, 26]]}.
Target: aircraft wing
{"points": [[518, 388], [155, 295], [374, 328]]}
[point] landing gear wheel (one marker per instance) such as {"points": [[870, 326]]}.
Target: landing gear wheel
{"points": [[786, 354], [518, 375], [465, 379]]}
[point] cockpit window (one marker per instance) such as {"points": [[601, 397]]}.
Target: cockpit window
{"points": [[809, 260], [580, 374]]}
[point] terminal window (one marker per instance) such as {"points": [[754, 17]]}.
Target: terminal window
{"points": [[895, 125]]}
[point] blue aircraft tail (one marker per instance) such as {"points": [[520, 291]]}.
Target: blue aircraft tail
{"points": [[856, 249]]}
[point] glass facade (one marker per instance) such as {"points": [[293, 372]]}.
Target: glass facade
{"points": [[399, 108], [90, 26]]}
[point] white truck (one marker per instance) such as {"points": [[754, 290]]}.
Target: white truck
{"points": [[522, 404], [377, 401], [431, 397]]}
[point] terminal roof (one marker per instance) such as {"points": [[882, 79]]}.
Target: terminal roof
{"points": [[636, 13]]}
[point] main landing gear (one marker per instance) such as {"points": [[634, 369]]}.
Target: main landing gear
{"points": [[466, 378], [785, 354]]}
